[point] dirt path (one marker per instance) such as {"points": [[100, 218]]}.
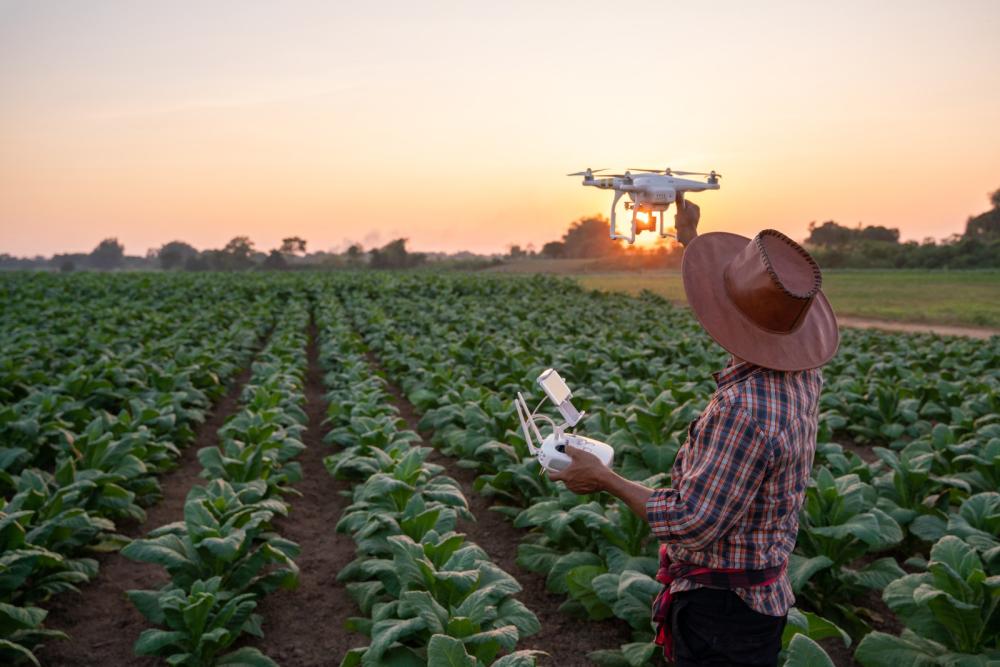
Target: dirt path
{"points": [[566, 639], [305, 628], [101, 622], [915, 327]]}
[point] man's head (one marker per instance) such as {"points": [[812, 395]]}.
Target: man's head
{"points": [[760, 299]]}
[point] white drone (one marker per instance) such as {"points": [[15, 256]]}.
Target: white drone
{"points": [[651, 190]]}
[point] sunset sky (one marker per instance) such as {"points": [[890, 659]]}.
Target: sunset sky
{"points": [[453, 123]]}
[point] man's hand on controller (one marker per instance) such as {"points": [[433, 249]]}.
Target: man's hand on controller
{"points": [[586, 474], [686, 219]]}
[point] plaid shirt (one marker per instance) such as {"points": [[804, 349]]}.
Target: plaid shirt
{"points": [[740, 479]]}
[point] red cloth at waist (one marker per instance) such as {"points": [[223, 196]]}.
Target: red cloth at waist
{"points": [[727, 578]]}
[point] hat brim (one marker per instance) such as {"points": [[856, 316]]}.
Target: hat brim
{"points": [[810, 345]]}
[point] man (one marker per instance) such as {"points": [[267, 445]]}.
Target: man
{"points": [[728, 522]]}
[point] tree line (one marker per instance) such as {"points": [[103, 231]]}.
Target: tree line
{"points": [[834, 246], [838, 246], [239, 254]]}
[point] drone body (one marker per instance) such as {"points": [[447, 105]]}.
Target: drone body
{"points": [[651, 191]]}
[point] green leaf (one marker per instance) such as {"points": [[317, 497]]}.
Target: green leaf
{"points": [[801, 569], [963, 620], [384, 633], [878, 649], [578, 581], [153, 641], [958, 555], [804, 652], [148, 604], [879, 573], [20, 652], [22, 617], [608, 658], [556, 581], [639, 653], [519, 659], [448, 652], [812, 626], [513, 612], [245, 657], [536, 558]]}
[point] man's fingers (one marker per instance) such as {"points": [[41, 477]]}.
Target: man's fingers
{"points": [[556, 475]]}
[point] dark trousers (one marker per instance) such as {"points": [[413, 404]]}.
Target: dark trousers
{"points": [[715, 627]]}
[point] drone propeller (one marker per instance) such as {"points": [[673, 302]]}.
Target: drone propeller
{"points": [[586, 172], [710, 174], [676, 172]]}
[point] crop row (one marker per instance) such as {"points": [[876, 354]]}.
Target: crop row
{"points": [[224, 556], [82, 450], [82, 335], [461, 347], [429, 595]]}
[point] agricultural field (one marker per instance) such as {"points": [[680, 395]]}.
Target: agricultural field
{"points": [[313, 469], [968, 299]]}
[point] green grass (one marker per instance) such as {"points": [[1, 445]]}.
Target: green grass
{"points": [[969, 298]]}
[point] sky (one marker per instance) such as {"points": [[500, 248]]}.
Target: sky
{"points": [[453, 124]]}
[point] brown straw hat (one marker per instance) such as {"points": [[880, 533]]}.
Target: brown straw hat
{"points": [[760, 299]]}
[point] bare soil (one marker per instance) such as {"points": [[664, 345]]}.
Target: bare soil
{"points": [[979, 333], [101, 622], [864, 452], [567, 640], [305, 627]]}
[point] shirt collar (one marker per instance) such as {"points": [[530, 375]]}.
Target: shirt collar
{"points": [[734, 372]]}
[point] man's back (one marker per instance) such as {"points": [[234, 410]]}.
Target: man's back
{"points": [[779, 409]]}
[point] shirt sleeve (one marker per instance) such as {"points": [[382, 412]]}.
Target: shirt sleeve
{"points": [[723, 469]]}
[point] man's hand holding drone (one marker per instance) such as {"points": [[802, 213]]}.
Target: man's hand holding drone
{"points": [[686, 219], [585, 475], [588, 475]]}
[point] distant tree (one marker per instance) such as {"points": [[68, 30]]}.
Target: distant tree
{"points": [[880, 233], [173, 255], [275, 261], [514, 251], [393, 255], [829, 234], [293, 245], [108, 255], [985, 226], [198, 262], [237, 254], [553, 249], [588, 237], [67, 266]]}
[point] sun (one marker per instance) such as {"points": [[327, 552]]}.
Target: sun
{"points": [[646, 240]]}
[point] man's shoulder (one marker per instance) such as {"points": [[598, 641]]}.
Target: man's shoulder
{"points": [[772, 398]]}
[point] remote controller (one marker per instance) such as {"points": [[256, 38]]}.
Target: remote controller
{"points": [[551, 450], [552, 454]]}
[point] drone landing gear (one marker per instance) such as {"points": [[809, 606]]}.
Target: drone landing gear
{"points": [[614, 233]]}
